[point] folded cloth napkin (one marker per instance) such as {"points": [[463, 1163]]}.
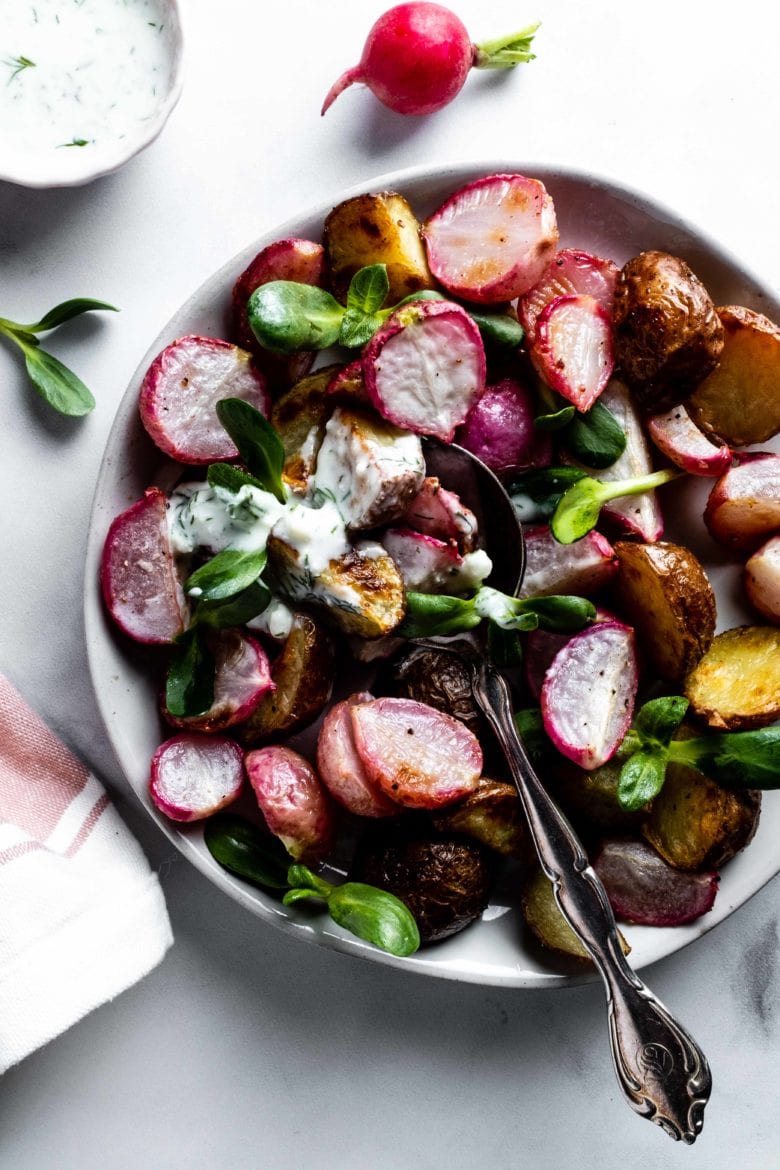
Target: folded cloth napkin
{"points": [[82, 916]]}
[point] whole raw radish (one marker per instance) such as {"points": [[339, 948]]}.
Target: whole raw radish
{"points": [[500, 430]]}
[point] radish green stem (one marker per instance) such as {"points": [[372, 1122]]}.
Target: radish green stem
{"points": [[506, 52], [579, 507]]}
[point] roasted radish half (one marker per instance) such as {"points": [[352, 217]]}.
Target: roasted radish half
{"points": [[743, 508], [572, 348], [676, 435], [638, 515], [583, 567], [762, 580], [569, 273], [293, 801], [241, 679], [492, 240], [644, 888], [141, 587], [194, 776], [435, 511], [180, 392], [340, 767]]}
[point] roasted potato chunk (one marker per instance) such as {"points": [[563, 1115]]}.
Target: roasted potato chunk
{"points": [[736, 685], [668, 336], [492, 815], [300, 416], [361, 591], [739, 402], [665, 595], [543, 916], [376, 229], [303, 678], [695, 824], [589, 799]]}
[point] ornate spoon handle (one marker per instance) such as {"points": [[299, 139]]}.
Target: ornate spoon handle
{"points": [[662, 1071]]}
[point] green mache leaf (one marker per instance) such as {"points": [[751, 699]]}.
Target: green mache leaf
{"points": [[226, 574], [561, 613], [376, 916], [748, 759], [301, 876], [189, 684], [577, 511], [595, 438], [641, 778], [258, 443], [546, 486], [230, 477], [659, 719], [66, 311], [498, 331], [57, 385], [555, 420], [300, 895], [368, 289], [287, 317], [236, 610], [357, 328], [430, 614], [245, 850], [530, 728]]}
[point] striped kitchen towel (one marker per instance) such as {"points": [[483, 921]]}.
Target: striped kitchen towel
{"points": [[82, 917]]}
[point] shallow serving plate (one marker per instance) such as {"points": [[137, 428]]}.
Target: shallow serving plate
{"points": [[593, 214]]}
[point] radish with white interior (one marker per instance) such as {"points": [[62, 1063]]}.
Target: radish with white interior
{"points": [[743, 508], [572, 349], [340, 767], [570, 273], [194, 776], [550, 567], [676, 435], [492, 240], [242, 676], [296, 807], [435, 511], [761, 579], [425, 368]]}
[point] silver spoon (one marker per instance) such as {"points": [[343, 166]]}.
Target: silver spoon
{"points": [[662, 1071]]}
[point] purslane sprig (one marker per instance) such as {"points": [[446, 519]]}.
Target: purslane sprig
{"points": [[57, 385], [430, 615]]}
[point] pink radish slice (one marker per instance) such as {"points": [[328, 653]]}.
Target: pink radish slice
{"points": [[540, 649], [138, 577], [762, 580], [500, 430], [492, 240], [572, 349], [582, 568], [569, 273], [425, 368], [340, 767], [294, 803], [418, 756], [435, 511], [743, 508], [243, 676], [180, 392], [589, 691], [425, 563], [194, 776], [676, 435], [640, 515], [644, 888], [293, 259]]}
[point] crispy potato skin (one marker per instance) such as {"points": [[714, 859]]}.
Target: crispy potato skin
{"points": [[542, 915], [589, 799], [376, 229], [665, 595], [303, 674], [697, 825], [300, 416], [739, 402], [492, 815], [668, 336], [736, 685]]}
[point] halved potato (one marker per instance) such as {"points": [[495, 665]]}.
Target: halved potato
{"points": [[303, 677], [300, 416], [739, 402], [493, 815], [376, 229], [543, 916], [589, 799], [736, 684], [665, 595]]}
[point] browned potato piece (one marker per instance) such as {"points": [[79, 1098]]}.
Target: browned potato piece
{"points": [[303, 674], [736, 685], [695, 824], [376, 229], [589, 799], [739, 402], [668, 336], [666, 596], [493, 815], [542, 915], [300, 416]]}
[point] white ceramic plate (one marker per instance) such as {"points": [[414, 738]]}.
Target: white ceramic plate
{"points": [[594, 215]]}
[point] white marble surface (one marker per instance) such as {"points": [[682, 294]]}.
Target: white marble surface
{"points": [[246, 1048]]}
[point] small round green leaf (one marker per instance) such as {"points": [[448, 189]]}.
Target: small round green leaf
{"points": [[243, 849], [376, 916]]}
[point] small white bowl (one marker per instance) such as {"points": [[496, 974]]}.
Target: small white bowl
{"points": [[117, 67]]}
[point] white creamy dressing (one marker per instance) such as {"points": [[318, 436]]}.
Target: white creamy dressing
{"points": [[469, 575], [80, 75], [317, 535], [276, 620], [495, 606], [201, 517]]}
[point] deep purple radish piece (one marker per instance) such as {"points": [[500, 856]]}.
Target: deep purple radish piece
{"points": [[180, 392], [492, 240], [589, 692], [645, 889], [425, 368], [676, 435], [194, 776], [639, 515], [418, 756], [572, 348], [293, 801], [570, 273], [500, 430], [138, 577], [435, 511], [243, 676], [340, 767], [291, 259], [583, 568]]}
